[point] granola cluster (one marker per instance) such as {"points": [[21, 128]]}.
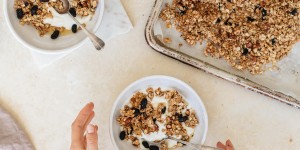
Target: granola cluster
{"points": [[141, 116], [33, 12], [247, 33]]}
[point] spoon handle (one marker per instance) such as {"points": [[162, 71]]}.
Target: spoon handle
{"points": [[194, 146], [98, 43]]}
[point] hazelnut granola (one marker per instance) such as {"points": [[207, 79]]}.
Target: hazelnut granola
{"points": [[33, 12], [143, 116], [247, 34]]}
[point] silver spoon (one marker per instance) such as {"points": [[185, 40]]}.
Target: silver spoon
{"points": [[194, 146], [98, 43], [191, 145]]}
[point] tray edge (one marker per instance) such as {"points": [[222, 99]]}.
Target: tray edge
{"points": [[152, 42]]}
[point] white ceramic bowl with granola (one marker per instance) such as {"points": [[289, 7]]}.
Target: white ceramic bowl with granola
{"points": [[153, 108], [39, 27]]}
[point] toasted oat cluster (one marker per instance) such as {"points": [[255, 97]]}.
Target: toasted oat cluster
{"points": [[33, 12], [144, 116], [247, 33]]}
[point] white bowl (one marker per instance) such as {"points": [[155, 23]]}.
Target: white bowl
{"points": [[30, 38], [158, 81]]}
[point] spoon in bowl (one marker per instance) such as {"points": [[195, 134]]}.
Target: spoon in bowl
{"points": [[188, 144], [98, 43], [194, 146]]}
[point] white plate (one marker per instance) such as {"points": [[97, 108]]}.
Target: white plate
{"points": [[158, 81], [29, 37]]}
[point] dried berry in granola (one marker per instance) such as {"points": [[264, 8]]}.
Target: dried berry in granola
{"points": [[72, 11], [55, 34], [122, 135], [20, 13], [74, 28]]}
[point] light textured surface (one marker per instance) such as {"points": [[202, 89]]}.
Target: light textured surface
{"points": [[45, 102]]}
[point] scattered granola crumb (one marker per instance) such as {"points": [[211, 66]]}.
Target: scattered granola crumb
{"points": [[168, 24], [167, 40], [180, 45]]}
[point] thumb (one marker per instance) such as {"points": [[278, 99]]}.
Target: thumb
{"points": [[91, 138]]}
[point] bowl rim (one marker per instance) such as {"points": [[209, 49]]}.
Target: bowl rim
{"points": [[205, 116], [48, 51]]}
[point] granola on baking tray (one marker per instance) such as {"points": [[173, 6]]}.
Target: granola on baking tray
{"points": [[247, 33], [153, 115], [36, 12]]}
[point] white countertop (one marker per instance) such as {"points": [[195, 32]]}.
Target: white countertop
{"points": [[45, 102]]}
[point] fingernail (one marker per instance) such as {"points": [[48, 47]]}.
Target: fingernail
{"points": [[90, 129]]}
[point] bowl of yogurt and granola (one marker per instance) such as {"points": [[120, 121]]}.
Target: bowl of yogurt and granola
{"points": [[37, 25], [154, 108]]}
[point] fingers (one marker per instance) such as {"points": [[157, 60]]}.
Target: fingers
{"points": [[229, 144], [92, 137], [85, 136], [92, 115], [84, 141], [79, 123], [221, 145], [77, 146]]}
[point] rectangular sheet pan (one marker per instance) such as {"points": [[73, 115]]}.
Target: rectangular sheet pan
{"points": [[282, 85]]}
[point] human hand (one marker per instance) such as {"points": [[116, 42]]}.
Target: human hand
{"points": [[89, 141], [228, 145]]}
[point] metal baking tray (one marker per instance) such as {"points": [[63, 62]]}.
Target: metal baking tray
{"points": [[282, 85]]}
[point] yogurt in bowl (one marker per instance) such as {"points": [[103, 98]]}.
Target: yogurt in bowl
{"points": [[184, 110], [28, 35], [64, 20]]}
